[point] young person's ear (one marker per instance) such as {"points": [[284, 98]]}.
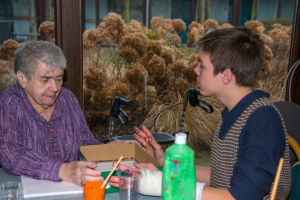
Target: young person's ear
{"points": [[22, 79], [227, 76]]}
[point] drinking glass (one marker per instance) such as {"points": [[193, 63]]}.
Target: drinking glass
{"points": [[11, 191], [129, 184]]}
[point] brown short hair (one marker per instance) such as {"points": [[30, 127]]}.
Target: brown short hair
{"points": [[238, 49]]}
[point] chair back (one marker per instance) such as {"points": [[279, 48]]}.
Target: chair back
{"points": [[295, 192], [290, 113], [5, 27]]}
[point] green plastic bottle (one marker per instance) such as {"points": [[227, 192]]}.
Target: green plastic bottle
{"points": [[179, 176]]}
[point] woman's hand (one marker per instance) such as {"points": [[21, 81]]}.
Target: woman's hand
{"points": [[79, 172], [150, 145]]}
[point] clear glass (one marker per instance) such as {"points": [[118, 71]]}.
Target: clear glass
{"points": [[11, 191], [129, 184]]}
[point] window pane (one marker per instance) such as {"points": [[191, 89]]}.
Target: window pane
{"points": [[128, 9], [27, 16], [107, 62], [175, 9], [271, 11], [20, 21]]}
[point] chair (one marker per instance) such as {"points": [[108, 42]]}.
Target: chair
{"points": [[5, 27], [290, 113], [295, 194]]}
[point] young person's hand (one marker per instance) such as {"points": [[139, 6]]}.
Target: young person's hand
{"points": [[114, 180], [150, 145], [79, 172]]}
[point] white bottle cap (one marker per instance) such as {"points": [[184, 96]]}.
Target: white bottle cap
{"points": [[180, 138]]}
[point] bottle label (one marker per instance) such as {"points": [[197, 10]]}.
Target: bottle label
{"points": [[179, 179]]}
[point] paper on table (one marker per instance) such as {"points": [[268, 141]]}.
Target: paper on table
{"points": [[40, 188]]}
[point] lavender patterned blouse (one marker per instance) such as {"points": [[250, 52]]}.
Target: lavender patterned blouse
{"points": [[31, 146]]}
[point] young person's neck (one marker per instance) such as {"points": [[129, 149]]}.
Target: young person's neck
{"points": [[232, 96]]}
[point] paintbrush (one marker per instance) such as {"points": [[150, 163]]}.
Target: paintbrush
{"points": [[112, 171], [273, 194]]}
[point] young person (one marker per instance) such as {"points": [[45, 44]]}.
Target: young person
{"points": [[251, 137]]}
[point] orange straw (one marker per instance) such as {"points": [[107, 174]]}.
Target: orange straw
{"points": [[273, 194], [104, 183]]}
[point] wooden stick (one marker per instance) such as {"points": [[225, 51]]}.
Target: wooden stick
{"points": [[112, 171], [274, 189]]}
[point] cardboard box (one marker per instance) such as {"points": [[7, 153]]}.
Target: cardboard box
{"points": [[109, 153]]}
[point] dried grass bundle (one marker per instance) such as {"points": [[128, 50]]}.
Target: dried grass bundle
{"points": [[198, 123], [8, 50], [47, 30], [129, 54], [276, 57], [167, 54], [136, 77], [87, 43], [178, 25], [7, 54], [226, 25], [137, 41], [135, 24], [157, 22], [156, 66], [198, 26], [94, 78], [114, 28], [266, 39], [174, 38], [161, 32], [6, 79], [168, 25], [153, 47], [210, 23], [102, 98], [151, 98], [120, 90], [255, 26], [179, 67]]}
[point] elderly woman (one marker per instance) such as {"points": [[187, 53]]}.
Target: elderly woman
{"points": [[41, 124]]}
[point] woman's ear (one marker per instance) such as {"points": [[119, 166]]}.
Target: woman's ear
{"points": [[227, 76], [22, 79]]}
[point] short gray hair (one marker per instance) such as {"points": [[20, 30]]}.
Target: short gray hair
{"points": [[29, 54]]}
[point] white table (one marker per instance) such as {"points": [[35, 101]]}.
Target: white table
{"points": [[113, 196]]}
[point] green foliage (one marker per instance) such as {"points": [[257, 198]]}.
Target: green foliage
{"points": [[152, 35]]}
